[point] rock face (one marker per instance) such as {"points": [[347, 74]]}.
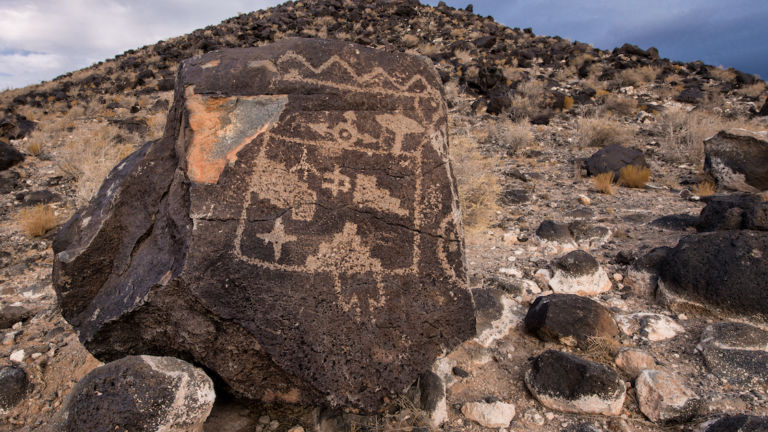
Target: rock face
{"points": [[9, 156], [296, 230], [13, 386], [141, 393], [736, 423], [569, 319], [664, 398], [738, 159], [613, 158], [565, 382], [726, 270], [736, 351]]}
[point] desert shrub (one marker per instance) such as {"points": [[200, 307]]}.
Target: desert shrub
{"points": [[511, 135], [521, 107], [533, 90], [684, 133], [635, 76], [722, 74], [89, 153], [753, 90], [429, 49], [601, 132], [567, 103], [410, 41], [634, 176], [34, 147], [705, 188], [620, 104], [603, 182], [463, 56], [478, 185], [38, 220]]}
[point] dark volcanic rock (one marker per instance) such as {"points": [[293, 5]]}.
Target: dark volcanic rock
{"points": [[613, 158], [738, 159], [43, 196], [9, 156], [553, 231], [736, 211], [14, 126], [13, 386], [736, 351], [140, 393], [10, 315], [565, 382], [577, 263], [737, 423], [296, 231], [726, 270], [569, 319], [9, 180], [764, 110]]}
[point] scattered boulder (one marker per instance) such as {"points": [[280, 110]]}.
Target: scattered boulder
{"points": [[491, 415], [664, 398], [633, 361], [552, 231], [650, 326], [9, 180], [733, 211], [579, 273], [11, 314], [738, 159], [15, 126], [569, 319], [764, 110], [281, 223], [642, 276], [690, 95], [568, 383], [13, 386], [736, 423], [735, 351], [33, 198], [9, 156], [613, 158], [722, 272], [140, 393]]}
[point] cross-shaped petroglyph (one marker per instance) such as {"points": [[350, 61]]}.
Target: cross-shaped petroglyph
{"points": [[277, 237], [400, 125], [336, 182]]}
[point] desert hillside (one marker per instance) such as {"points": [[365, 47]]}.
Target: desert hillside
{"points": [[582, 175]]}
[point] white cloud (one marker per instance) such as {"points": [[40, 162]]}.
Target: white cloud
{"points": [[67, 35]]}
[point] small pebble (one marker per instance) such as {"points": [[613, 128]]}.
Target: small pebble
{"points": [[17, 356]]}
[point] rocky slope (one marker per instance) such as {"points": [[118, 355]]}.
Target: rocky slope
{"points": [[525, 112]]}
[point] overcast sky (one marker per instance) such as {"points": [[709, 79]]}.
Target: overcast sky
{"points": [[40, 39]]}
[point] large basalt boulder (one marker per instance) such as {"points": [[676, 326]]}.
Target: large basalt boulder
{"points": [[613, 158], [724, 272], [296, 230], [140, 393], [570, 319], [738, 159], [733, 211], [9, 156]]}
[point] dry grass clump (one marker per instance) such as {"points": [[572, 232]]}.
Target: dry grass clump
{"points": [[684, 134], [620, 104], [478, 185], [463, 56], [601, 132], [89, 153], [603, 182], [602, 349], [705, 188], [634, 176], [34, 147], [38, 220]]}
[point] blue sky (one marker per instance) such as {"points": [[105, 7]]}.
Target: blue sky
{"points": [[40, 39]]}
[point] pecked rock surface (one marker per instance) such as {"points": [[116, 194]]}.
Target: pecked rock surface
{"points": [[295, 231]]}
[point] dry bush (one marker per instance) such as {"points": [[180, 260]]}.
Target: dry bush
{"points": [[478, 185], [568, 103], [634, 176], [463, 56], [89, 153], [602, 349], [34, 147], [705, 188], [533, 90], [620, 104], [38, 220], [521, 107], [601, 132], [722, 74], [635, 76], [684, 134], [429, 50], [512, 73], [578, 61], [410, 41], [603, 182], [511, 135], [752, 90]]}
